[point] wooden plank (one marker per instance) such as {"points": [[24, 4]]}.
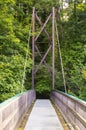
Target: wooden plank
{"points": [[71, 113], [11, 112], [43, 117]]}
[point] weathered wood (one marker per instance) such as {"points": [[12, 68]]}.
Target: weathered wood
{"points": [[1, 128], [74, 110], [43, 117], [12, 111]]}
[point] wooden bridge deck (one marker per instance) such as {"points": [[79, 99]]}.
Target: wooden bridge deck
{"points": [[43, 117]]}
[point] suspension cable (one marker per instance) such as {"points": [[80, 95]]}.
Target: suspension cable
{"points": [[59, 48], [26, 58]]}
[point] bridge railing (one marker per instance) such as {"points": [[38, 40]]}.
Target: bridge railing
{"points": [[12, 110], [73, 109]]}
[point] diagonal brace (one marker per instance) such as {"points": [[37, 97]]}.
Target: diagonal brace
{"points": [[43, 59], [40, 22], [43, 26]]}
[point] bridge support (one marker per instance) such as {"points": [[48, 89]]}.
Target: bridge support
{"points": [[51, 47], [33, 45]]}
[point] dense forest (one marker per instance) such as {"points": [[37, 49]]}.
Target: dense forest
{"points": [[15, 47]]}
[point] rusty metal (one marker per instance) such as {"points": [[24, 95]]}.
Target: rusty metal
{"points": [[43, 59], [43, 27], [49, 70], [33, 45], [40, 22], [51, 45]]}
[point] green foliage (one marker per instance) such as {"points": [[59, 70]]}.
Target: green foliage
{"points": [[83, 92], [73, 49], [15, 22], [43, 89], [13, 48], [73, 40], [43, 83], [43, 79]]}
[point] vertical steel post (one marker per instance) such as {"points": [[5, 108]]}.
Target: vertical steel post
{"points": [[33, 45], [53, 48]]}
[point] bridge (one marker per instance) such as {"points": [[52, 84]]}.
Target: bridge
{"points": [[43, 115]]}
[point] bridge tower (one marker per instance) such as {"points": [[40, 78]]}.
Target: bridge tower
{"points": [[51, 47]]}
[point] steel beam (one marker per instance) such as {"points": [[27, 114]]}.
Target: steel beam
{"points": [[51, 45], [53, 48], [43, 59], [49, 70], [33, 45], [43, 27], [40, 22]]}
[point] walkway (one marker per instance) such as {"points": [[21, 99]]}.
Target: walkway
{"points": [[43, 117]]}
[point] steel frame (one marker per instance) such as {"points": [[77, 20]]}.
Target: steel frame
{"points": [[51, 46]]}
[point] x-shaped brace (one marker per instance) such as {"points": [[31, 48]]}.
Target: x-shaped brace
{"points": [[42, 28], [44, 60], [51, 45], [40, 22]]}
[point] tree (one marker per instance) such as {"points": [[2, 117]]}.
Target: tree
{"points": [[13, 47], [73, 52]]}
